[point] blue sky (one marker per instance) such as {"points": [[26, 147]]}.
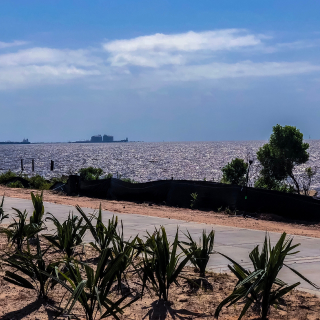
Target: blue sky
{"points": [[158, 70]]}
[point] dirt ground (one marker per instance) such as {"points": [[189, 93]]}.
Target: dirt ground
{"points": [[186, 301], [266, 222]]}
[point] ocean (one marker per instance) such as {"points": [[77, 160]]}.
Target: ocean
{"points": [[142, 161]]}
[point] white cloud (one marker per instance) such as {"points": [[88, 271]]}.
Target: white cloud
{"points": [[157, 59], [189, 41], [11, 44], [48, 56], [160, 49]]}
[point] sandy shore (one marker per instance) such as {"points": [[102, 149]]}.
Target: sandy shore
{"points": [[264, 221]]}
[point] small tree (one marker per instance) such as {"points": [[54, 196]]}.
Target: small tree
{"points": [[284, 151], [235, 172]]}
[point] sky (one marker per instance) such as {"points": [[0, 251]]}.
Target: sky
{"points": [[158, 70]]}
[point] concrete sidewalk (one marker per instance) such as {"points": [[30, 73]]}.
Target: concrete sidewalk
{"points": [[233, 242]]}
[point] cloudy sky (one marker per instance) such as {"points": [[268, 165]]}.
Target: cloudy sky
{"points": [[158, 70]]}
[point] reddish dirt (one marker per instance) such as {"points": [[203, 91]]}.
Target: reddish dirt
{"points": [[186, 301]]}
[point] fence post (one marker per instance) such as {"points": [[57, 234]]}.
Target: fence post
{"points": [[32, 165], [52, 165], [21, 164]]}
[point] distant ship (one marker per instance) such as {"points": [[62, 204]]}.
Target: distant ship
{"points": [[100, 139], [24, 141]]}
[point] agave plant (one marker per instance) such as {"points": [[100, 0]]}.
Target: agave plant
{"points": [[38, 212], [92, 287], [2, 214], [68, 235], [33, 267], [103, 235], [200, 254], [262, 287], [161, 264], [20, 231]]}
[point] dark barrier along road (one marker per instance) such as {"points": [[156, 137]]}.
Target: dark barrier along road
{"points": [[211, 195]]}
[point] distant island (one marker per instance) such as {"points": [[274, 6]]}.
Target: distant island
{"points": [[100, 139], [24, 141]]}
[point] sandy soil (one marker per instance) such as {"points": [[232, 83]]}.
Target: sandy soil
{"points": [[266, 222], [186, 301]]}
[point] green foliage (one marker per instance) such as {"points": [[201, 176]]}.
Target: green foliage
{"points": [[161, 264], [38, 212], [102, 235], [2, 214], [119, 247], [91, 288], [62, 179], [32, 266], [15, 184], [90, 173], [39, 182], [200, 253], [262, 287], [68, 235], [19, 231], [235, 172], [267, 182], [194, 200], [284, 151], [4, 177]]}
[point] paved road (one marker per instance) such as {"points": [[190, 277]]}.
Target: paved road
{"points": [[234, 242]]}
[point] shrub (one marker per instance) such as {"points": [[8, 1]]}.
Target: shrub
{"points": [[102, 235], [129, 180], [262, 287], [200, 253], [235, 172], [4, 177], [39, 182], [19, 231], [68, 235], [34, 267], [90, 173], [161, 264], [92, 287], [15, 184], [38, 212]]}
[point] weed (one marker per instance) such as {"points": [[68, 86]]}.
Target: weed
{"points": [[194, 200], [15, 184], [2, 214]]}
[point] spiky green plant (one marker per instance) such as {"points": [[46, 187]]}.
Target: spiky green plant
{"points": [[92, 287], [200, 253], [120, 246], [20, 231], [33, 267], [2, 214], [38, 212], [68, 235], [161, 264], [262, 287], [102, 235]]}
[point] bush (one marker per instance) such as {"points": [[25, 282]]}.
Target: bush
{"points": [[90, 173], [262, 287], [15, 184], [235, 172], [4, 177], [39, 182]]}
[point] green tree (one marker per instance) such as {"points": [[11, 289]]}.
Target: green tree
{"points": [[279, 157], [235, 172]]}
